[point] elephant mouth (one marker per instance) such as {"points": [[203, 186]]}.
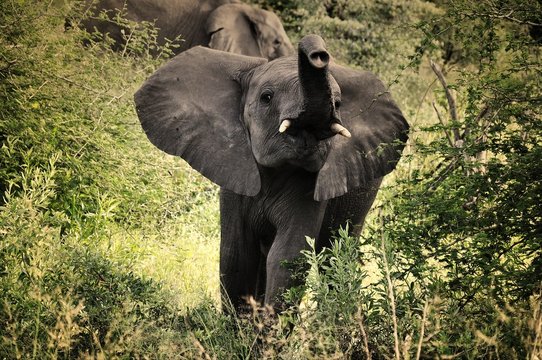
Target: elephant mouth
{"points": [[311, 162], [308, 145], [307, 139], [332, 128], [310, 157], [307, 151]]}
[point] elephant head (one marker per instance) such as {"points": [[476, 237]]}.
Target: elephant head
{"points": [[248, 30], [229, 116]]}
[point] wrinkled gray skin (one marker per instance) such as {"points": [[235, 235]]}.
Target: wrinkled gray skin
{"points": [[220, 24], [222, 112]]}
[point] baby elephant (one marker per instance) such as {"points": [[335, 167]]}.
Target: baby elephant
{"points": [[220, 24], [298, 145]]}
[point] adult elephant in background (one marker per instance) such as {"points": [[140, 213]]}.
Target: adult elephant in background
{"points": [[299, 146], [221, 24]]}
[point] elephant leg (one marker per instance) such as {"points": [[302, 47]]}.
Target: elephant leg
{"points": [[240, 255], [286, 248], [278, 272], [351, 208]]}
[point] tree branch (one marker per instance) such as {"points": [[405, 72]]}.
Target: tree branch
{"points": [[444, 126], [449, 98]]}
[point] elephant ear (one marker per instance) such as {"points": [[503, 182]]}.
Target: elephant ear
{"points": [[233, 28], [191, 106], [378, 130]]}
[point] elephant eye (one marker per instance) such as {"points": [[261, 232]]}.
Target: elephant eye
{"points": [[277, 42], [266, 97], [337, 104]]}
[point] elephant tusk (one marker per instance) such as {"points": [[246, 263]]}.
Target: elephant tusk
{"points": [[341, 130], [284, 125]]}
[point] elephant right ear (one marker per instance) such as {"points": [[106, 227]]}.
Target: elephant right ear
{"points": [[191, 107], [231, 29]]}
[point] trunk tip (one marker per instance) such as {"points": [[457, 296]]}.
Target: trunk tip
{"points": [[313, 48]]}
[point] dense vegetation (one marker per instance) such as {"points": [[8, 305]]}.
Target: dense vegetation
{"points": [[109, 248]]}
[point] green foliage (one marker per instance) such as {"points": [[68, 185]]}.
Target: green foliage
{"points": [[336, 309], [88, 208], [465, 218]]}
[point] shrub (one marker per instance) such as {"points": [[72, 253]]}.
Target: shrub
{"points": [[79, 208]]}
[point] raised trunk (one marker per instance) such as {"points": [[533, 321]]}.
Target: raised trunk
{"points": [[315, 83]]}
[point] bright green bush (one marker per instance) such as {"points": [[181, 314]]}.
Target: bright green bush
{"points": [[464, 219], [88, 206]]}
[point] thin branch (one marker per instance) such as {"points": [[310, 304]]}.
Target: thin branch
{"points": [[116, 98], [82, 86], [422, 329], [99, 94], [523, 22], [38, 90], [415, 121], [513, 19], [391, 296], [126, 43], [442, 175], [449, 98], [444, 126], [479, 117], [364, 335]]}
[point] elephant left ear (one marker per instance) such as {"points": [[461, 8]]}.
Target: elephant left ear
{"points": [[379, 132]]}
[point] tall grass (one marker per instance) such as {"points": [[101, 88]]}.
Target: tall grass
{"points": [[99, 231]]}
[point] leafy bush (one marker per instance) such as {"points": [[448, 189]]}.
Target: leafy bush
{"points": [[464, 218], [87, 205]]}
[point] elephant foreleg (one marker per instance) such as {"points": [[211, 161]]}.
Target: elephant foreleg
{"points": [[279, 268], [241, 260], [286, 248]]}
